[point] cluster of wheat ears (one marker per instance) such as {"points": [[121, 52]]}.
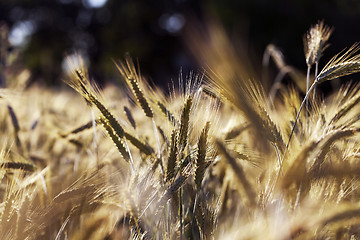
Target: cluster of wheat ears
{"points": [[217, 158]]}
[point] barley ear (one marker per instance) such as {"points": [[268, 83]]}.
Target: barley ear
{"points": [[184, 124], [18, 165], [116, 139], [15, 123], [167, 113], [346, 108], [171, 164], [297, 171], [144, 148], [201, 156], [79, 82], [132, 78], [341, 65], [315, 42], [130, 117]]}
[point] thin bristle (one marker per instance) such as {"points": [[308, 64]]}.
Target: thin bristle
{"points": [[74, 193]]}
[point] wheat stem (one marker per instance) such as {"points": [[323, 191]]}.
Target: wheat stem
{"points": [[307, 99]]}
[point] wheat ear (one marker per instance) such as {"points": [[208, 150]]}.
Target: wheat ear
{"points": [[167, 113], [315, 42], [184, 124], [130, 117], [297, 170], [15, 123], [132, 78], [346, 108], [338, 66], [314, 45], [144, 148], [116, 139], [201, 156], [18, 165], [171, 164], [341, 65]]}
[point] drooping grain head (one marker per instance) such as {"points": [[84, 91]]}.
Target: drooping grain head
{"points": [[315, 42]]}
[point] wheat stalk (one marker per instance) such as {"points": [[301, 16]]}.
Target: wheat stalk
{"points": [[315, 42]]}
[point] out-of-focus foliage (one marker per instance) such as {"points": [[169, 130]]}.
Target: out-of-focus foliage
{"points": [[153, 30]]}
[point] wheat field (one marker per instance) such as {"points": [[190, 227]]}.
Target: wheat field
{"points": [[217, 157]]}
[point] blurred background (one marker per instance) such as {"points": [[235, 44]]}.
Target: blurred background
{"points": [[45, 31]]}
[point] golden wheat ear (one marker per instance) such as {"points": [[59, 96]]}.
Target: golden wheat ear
{"points": [[184, 123], [341, 65], [172, 159], [314, 45], [201, 156], [130, 117], [80, 82], [133, 78], [315, 42], [118, 141]]}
